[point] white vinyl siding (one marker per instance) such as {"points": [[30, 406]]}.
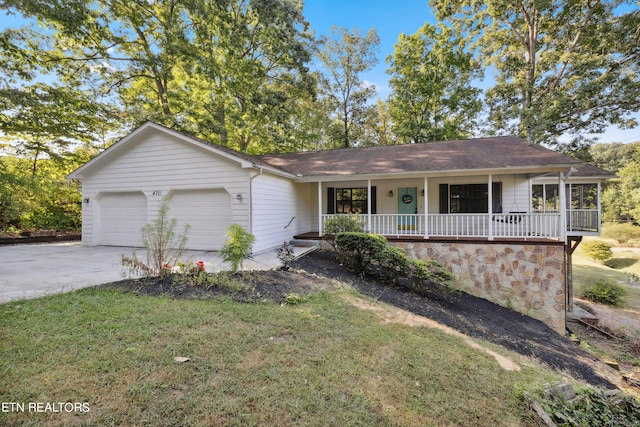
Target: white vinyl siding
{"points": [[157, 164], [281, 209]]}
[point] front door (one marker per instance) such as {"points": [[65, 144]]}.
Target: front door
{"points": [[407, 208]]}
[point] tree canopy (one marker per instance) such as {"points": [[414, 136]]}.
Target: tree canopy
{"points": [[562, 67], [432, 98]]}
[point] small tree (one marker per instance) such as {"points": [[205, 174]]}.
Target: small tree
{"points": [[597, 250], [163, 244], [238, 246]]}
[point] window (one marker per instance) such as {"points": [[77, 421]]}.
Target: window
{"points": [[469, 198], [584, 196], [545, 197], [350, 200]]}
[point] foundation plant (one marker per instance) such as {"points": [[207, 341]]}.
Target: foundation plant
{"points": [[370, 254]]}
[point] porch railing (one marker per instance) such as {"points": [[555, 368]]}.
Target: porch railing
{"points": [[502, 225]]}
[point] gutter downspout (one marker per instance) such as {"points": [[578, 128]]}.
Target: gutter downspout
{"points": [[251, 197]]}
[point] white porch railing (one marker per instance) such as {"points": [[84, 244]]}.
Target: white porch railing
{"points": [[510, 225], [583, 220]]}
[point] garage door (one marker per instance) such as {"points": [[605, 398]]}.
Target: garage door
{"points": [[121, 218], [208, 213]]}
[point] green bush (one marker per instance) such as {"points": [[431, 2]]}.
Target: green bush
{"points": [[341, 224], [429, 276], [597, 250], [604, 292], [394, 262], [360, 250]]}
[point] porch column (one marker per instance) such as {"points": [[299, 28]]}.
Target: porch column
{"points": [[426, 207], [320, 208], [369, 205], [599, 213], [490, 204], [563, 206]]}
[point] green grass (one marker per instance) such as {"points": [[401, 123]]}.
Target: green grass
{"points": [[321, 362], [622, 268]]}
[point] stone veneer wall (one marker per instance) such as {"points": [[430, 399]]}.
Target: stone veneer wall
{"points": [[526, 277]]}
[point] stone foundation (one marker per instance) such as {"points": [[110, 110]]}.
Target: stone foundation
{"points": [[527, 277]]}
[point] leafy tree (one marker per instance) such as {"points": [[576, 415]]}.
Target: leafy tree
{"points": [[225, 71], [378, 127], [46, 200], [345, 55], [430, 76], [40, 121], [566, 67], [613, 156]]}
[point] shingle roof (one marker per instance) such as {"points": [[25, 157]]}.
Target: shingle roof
{"points": [[458, 155]]}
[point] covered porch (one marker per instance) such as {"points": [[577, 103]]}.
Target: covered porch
{"points": [[516, 206]]}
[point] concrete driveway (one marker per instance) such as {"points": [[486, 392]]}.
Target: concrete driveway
{"points": [[29, 271]]}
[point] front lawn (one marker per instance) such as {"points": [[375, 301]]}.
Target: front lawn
{"points": [[320, 362]]}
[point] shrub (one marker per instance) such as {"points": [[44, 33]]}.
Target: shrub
{"points": [[432, 276], [393, 262], [237, 247], [604, 292], [359, 250], [285, 255], [597, 250], [341, 224]]}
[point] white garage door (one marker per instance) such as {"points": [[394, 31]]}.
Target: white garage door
{"points": [[121, 218], [208, 213]]}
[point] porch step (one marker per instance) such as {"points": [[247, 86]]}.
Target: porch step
{"points": [[304, 243]]}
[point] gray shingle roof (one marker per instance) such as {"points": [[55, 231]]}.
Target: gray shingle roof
{"points": [[458, 155]]}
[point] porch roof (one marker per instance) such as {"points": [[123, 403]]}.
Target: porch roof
{"points": [[480, 154]]}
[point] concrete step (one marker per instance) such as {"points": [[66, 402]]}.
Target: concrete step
{"points": [[303, 243]]}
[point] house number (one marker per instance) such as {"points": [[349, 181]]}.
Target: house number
{"points": [[157, 193]]}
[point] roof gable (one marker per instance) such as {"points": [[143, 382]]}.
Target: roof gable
{"points": [[148, 129]]}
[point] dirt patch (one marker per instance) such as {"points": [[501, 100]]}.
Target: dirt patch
{"points": [[468, 315]]}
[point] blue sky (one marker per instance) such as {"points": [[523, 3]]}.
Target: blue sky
{"points": [[390, 19]]}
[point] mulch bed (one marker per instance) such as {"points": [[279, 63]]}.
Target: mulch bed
{"points": [[470, 315]]}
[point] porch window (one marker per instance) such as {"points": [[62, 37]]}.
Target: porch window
{"points": [[469, 198], [584, 196], [350, 200], [545, 197]]}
